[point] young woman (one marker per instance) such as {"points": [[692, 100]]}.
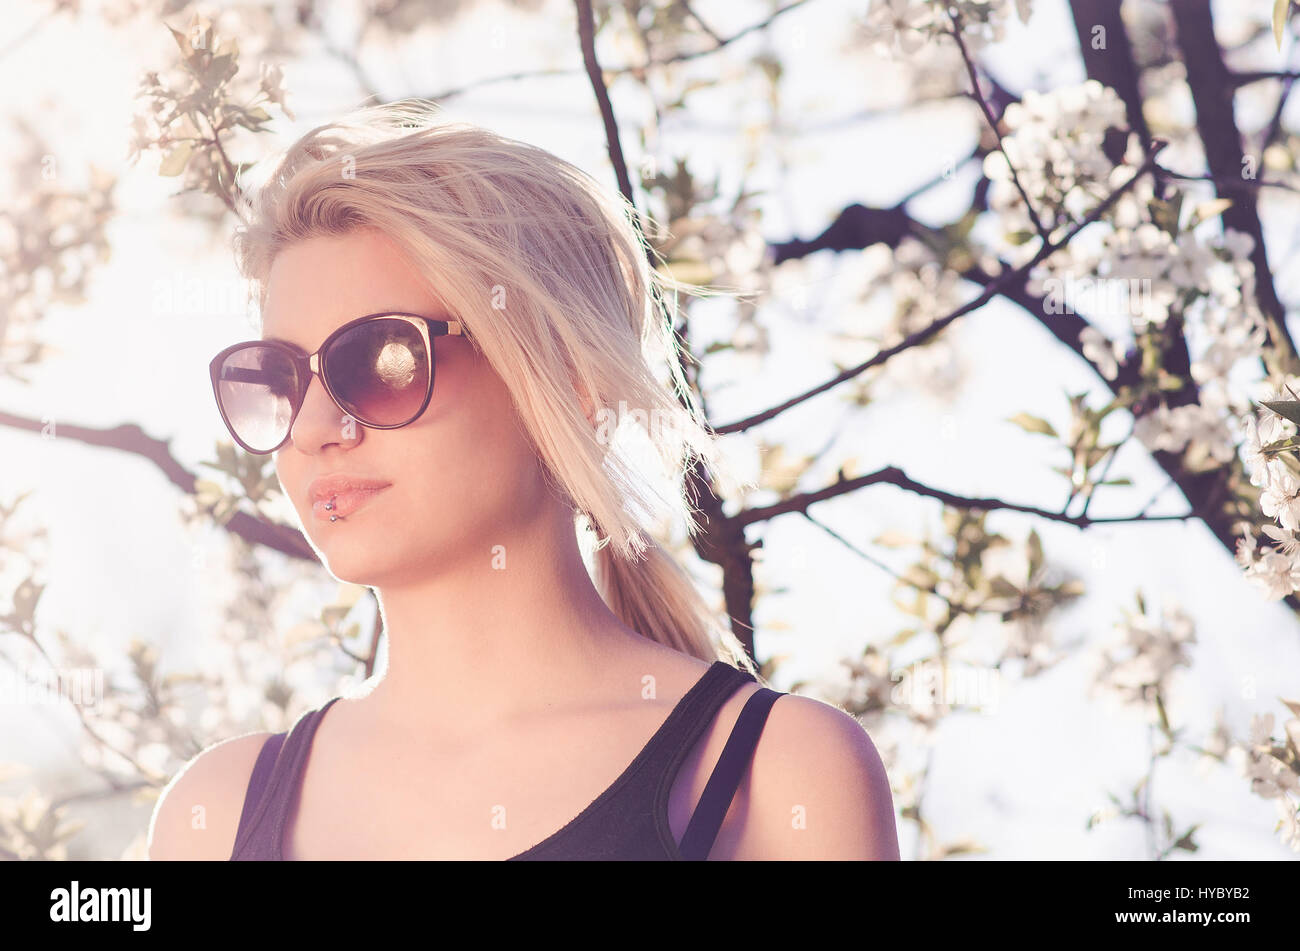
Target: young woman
{"points": [[453, 324]]}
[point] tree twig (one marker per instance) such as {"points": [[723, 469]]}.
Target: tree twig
{"points": [[892, 475], [130, 438], [621, 70], [978, 95], [1005, 280]]}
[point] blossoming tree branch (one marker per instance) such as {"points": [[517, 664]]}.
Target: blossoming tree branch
{"points": [[1131, 235]]}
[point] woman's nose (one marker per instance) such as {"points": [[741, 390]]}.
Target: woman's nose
{"points": [[321, 423]]}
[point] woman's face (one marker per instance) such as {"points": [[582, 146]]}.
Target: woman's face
{"points": [[463, 475]]}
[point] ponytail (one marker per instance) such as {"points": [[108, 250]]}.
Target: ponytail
{"points": [[652, 594]]}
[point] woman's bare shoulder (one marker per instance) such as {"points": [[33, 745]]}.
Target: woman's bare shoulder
{"points": [[197, 813], [820, 789]]}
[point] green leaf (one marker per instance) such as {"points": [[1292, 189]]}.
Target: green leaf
{"points": [[1280, 9], [1035, 552], [182, 41], [915, 608], [688, 271], [1107, 409], [1166, 212], [1207, 210], [951, 519], [330, 615], [1292, 730], [903, 636], [1000, 587], [24, 600], [252, 119], [1032, 424], [964, 848], [919, 576], [1122, 480], [1187, 843], [960, 230], [176, 160], [219, 71], [1019, 237], [1288, 409], [1074, 588]]}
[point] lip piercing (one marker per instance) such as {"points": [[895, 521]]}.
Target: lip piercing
{"points": [[329, 507]]}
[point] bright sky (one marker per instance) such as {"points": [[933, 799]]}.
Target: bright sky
{"points": [[1022, 777]]}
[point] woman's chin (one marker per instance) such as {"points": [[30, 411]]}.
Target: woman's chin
{"points": [[353, 561], [352, 571]]}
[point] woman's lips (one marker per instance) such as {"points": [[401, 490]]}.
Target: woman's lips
{"points": [[345, 503]]}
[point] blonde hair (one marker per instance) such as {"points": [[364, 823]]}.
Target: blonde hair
{"points": [[553, 284]]}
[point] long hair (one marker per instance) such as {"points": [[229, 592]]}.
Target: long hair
{"points": [[552, 281]]}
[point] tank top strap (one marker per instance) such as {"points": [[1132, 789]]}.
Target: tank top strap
{"points": [[684, 730], [257, 782], [272, 786], [726, 777]]}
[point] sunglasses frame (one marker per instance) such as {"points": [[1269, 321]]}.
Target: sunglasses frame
{"points": [[309, 365]]}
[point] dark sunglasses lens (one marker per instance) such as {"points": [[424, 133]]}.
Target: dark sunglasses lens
{"points": [[256, 387], [379, 371]]}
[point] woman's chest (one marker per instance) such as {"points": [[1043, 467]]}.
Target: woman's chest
{"points": [[499, 799]]}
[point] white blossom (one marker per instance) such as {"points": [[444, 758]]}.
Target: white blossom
{"points": [[1276, 574], [908, 25], [1285, 542], [902, 24], [1260, 431], [1104, 354], [1055, 143], [1147, 654], [1246, 547], [1261, 732], [1281, 499], [1171, 430]]}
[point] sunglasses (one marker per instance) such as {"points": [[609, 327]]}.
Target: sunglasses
{"points": [[378, 369]]}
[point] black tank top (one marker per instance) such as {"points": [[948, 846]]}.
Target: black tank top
{"points": [[628, 821]]}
